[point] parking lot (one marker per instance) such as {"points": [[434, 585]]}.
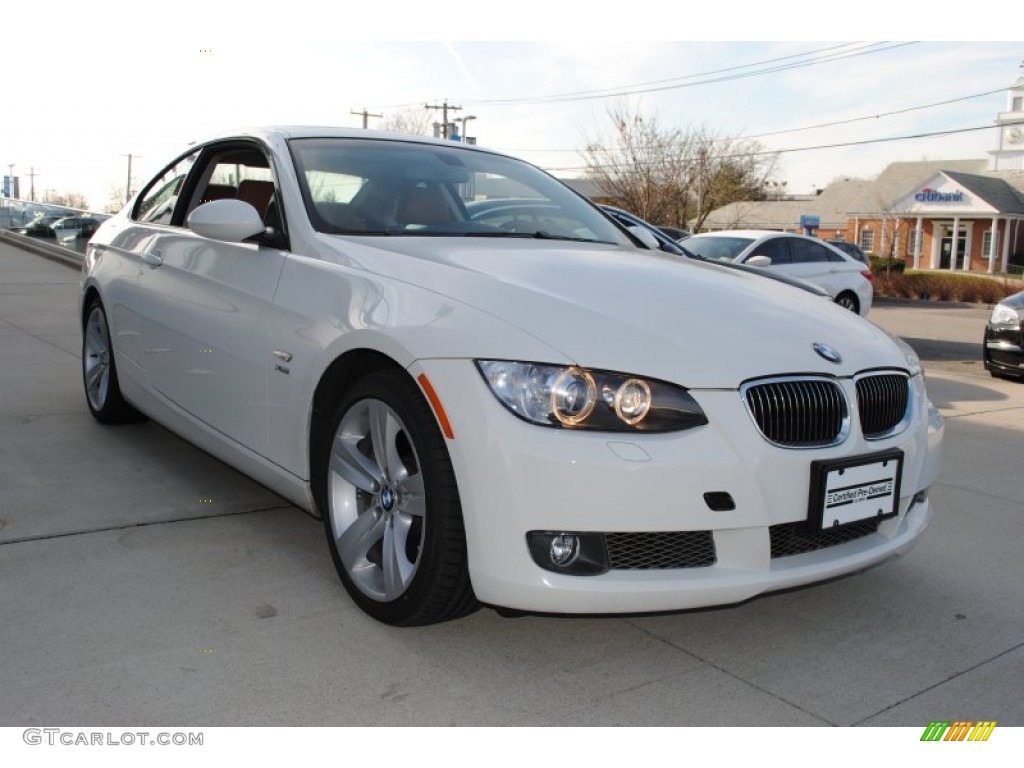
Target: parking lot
{"points": [[144, 581]]}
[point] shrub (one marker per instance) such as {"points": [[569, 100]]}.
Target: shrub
{"points": [[886, 266], [944, 286]]}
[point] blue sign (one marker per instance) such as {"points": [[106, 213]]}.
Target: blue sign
{"points": [[810, 222]]}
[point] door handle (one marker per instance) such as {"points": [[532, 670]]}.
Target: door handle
{"points": [[153, 258]]}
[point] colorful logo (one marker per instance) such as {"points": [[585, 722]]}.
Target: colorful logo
{"points": [[960, 730]]}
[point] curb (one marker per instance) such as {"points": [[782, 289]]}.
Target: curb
{"points": [[52, 252]]}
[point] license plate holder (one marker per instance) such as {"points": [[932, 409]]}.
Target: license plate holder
{"points": [[854, 490]]}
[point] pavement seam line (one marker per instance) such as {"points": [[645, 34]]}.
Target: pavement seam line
{"points": [[981, 413], [952, 677], [47, 537], [1016, 502], [733, 675], [76, 355]]}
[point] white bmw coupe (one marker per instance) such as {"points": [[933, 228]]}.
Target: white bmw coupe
{"points": [[535, 413]]}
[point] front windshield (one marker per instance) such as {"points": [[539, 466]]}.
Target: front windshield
{"points": [[716, 248], [384, 187]]}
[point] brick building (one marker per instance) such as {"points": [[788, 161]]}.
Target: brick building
{"points": [[953, 214]]}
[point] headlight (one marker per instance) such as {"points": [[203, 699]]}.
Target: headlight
{"points": [[1005, 316], [579, 398]]}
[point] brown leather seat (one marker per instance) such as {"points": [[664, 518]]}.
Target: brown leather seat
{"points": [[217, 192], [257, 193], [423, 206]]}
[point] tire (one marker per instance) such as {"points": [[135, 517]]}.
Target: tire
{"points": [[849, 301], [99, 373], [392, 513]]}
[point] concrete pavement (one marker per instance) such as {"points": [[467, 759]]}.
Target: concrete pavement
{"points": [[142, 581]]}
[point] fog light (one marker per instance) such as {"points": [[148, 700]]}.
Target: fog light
{"points": [[576, 554], [564, 549]]}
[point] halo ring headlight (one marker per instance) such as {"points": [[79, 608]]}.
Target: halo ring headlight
{"points": [[573, 396], [633, 401]]}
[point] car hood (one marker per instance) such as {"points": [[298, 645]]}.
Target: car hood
{"points": [[602, 306]]}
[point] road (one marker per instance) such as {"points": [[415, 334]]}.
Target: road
{"points": [[145, 582]]}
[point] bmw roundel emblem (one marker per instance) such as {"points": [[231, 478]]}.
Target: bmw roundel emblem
{"points": [[825, 351], [387, 498]]}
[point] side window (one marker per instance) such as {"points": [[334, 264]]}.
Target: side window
{"points": [[236, 171], [776, 249], [806, 252], [157, 201]]}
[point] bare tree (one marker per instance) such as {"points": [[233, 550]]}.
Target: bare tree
{"points": [[670, 175], [414, 121], [115, 199], [67, 199]]}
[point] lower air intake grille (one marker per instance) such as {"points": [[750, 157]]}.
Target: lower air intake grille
{"points": [[673, 549], [798, 412], [793, 539]]}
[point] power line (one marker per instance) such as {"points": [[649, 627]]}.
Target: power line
{"points": [[863, 118], [879, 115], [637, 88], [633, 91], [838, 145]]}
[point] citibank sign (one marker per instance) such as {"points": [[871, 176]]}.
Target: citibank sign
{"points": [[929, 195]]}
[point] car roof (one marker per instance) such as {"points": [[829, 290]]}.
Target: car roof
{"points": [[287, 132], [753, 234]]}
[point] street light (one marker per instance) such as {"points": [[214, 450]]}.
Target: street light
{"points": [[465, 120]]}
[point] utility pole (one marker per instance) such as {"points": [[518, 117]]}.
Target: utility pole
{"points": [[32, 173], [444, 108], [365, 115], [128, 186]]}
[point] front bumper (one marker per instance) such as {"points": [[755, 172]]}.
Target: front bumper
{"points": [[516, 477]]}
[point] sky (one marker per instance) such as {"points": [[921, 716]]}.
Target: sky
{"points": [[113, 79]]}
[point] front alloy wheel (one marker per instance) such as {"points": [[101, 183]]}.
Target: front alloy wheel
{"points": [[393, 519], [99, 374]]}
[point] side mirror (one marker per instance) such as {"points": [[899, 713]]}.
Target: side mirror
{"points": [[230, 220], [645, 236], [759, 261]]}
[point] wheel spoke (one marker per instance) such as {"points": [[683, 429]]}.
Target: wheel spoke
{"points": [[95, 339], [412, 498], [94, 377], [397, 570], [384, 429], [357, 540], [349, 462]]}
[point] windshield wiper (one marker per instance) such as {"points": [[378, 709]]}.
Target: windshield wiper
{"points": [[538, 235]]}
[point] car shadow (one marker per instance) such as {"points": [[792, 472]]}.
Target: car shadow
{"points": [[935, 349]]}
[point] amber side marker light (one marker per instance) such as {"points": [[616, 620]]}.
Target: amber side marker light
{"points": [[435, 403]]}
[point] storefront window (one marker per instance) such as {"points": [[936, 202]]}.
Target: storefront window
{"points": [[911, 242]]}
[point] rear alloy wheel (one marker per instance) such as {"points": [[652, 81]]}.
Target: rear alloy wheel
{"points": [[99, 373], [847, 300], [393, 519]]}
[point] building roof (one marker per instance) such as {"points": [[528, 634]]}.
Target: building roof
{"points": [[899, 178], [994, 191], [841, 200]]}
